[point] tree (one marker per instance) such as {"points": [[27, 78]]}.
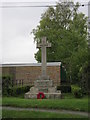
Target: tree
{"points": [[66, 29]]}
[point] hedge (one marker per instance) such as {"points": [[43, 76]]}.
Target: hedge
{"points": [[18, 90]]}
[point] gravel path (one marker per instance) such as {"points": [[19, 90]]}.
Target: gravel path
{"points": [[46, 110]]}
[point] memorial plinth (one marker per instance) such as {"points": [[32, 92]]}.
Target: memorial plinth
{"points": [[43, 84]]}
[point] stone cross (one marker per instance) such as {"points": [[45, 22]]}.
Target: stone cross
{"points": [[43, 46]]}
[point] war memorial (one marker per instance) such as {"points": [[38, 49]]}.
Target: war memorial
{"points": [[43, 84]]}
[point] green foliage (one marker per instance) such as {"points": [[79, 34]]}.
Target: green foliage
{"points": [[77, 91], [64, 88], [6, 85], [66, 29], [9, 90], [84, 75], [67, 95], [19, 91]]}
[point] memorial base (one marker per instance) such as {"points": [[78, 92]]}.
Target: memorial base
{"points": [[45, 86], [47, 95]]}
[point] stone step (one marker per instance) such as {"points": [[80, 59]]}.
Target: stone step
{"points": [[56, 95]]}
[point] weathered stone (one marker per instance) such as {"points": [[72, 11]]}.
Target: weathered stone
{"points": [[31, 95], [34, 90], [52, 89], [43, 46], [43, 85], [47, 95]]}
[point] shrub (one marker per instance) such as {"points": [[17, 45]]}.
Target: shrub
{"points": [[64, 88], [16, 91], [6, 85], [77, 92]]}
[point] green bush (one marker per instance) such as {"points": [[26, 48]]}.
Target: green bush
{"points": [[16, 91], [77, 92], [6, 85], [64, 88]]}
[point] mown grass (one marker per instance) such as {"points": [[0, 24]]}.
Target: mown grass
{"points": [[36, 114], [68, 104]]}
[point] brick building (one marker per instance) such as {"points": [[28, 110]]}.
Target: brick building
{"points": [[26, 74]]}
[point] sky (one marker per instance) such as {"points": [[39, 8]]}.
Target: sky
{"points": [[16, 41]]}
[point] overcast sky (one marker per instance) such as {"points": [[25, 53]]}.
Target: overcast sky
{"points": [[16, 43]]}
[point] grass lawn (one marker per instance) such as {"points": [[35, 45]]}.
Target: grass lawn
{"points": [[68, 104], [36, 114]]}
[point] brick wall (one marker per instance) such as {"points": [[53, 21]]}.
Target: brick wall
{"points": [[5, 70], [28, 74]]}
